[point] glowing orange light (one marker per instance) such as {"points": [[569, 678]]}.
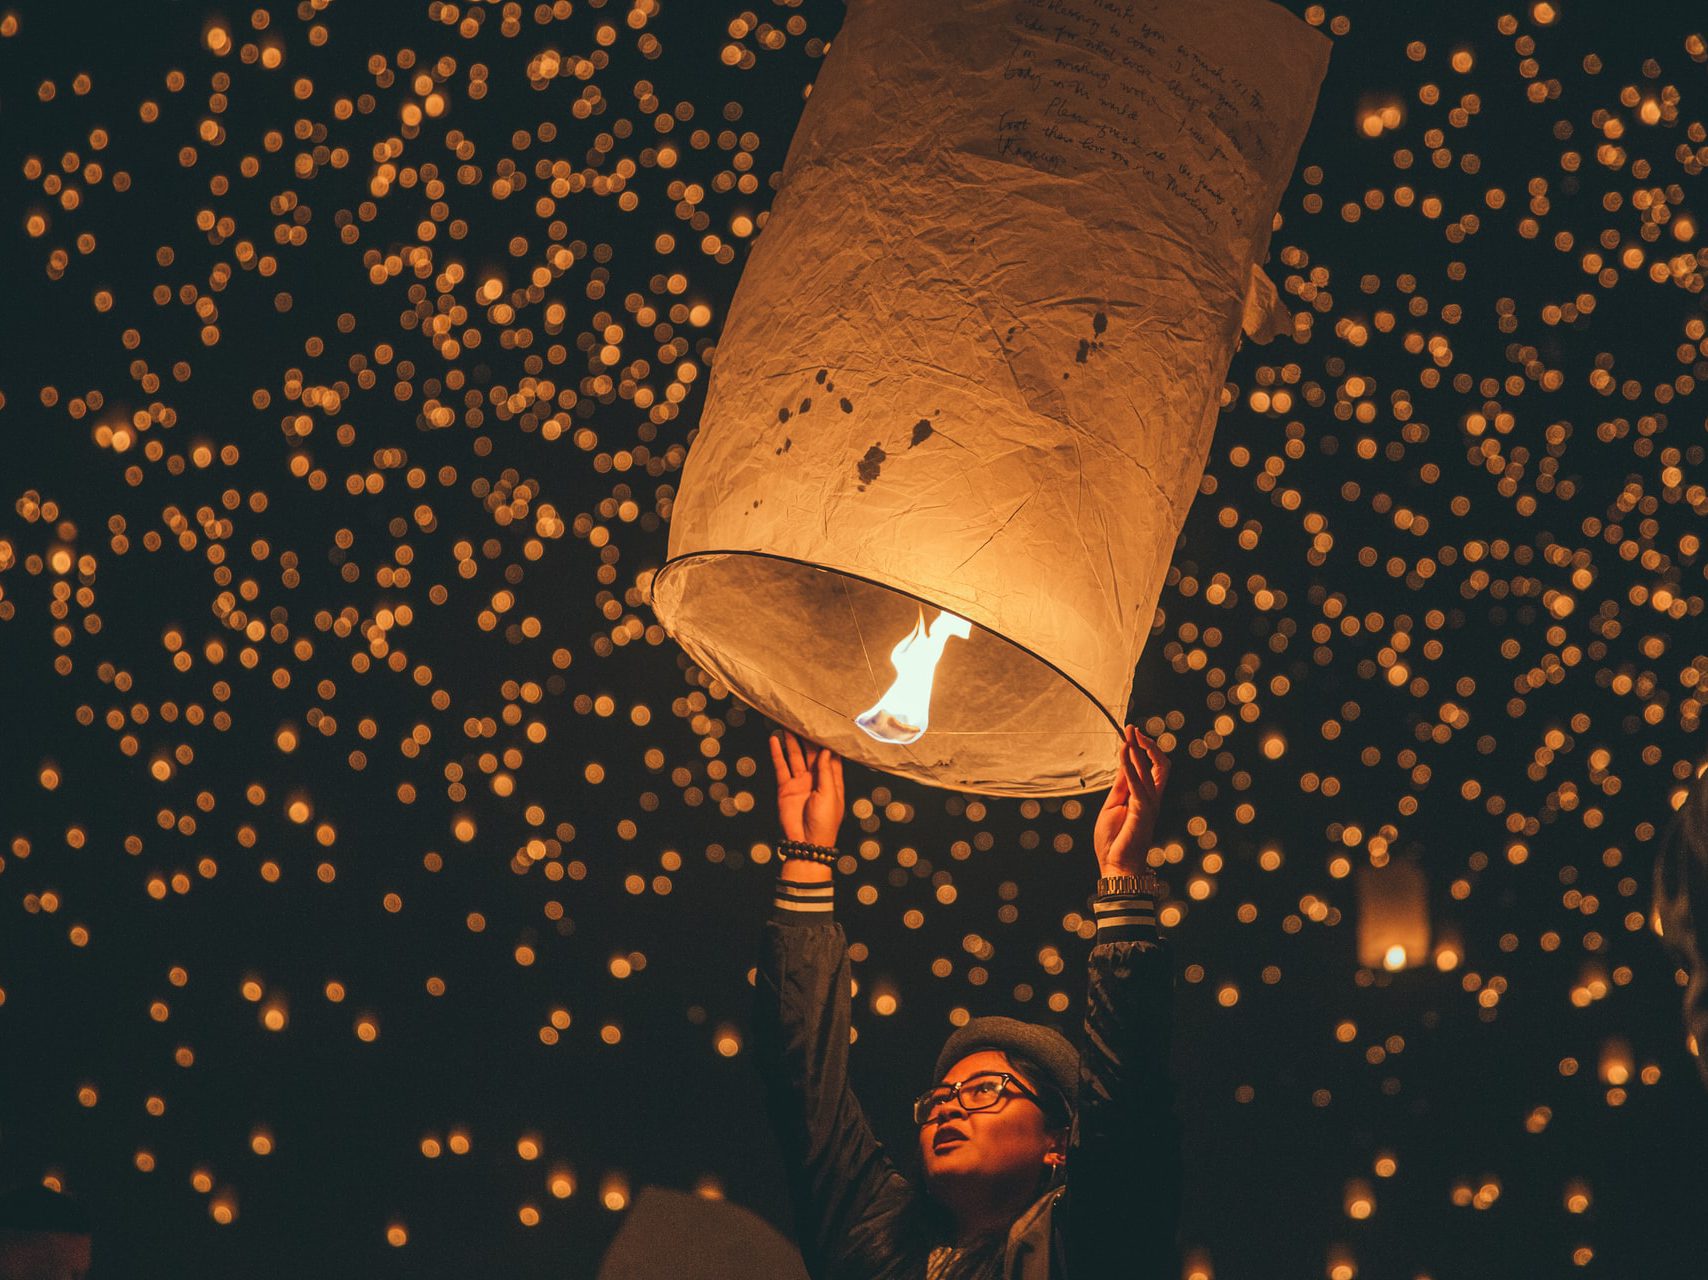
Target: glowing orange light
{"points": [[903, 713]]}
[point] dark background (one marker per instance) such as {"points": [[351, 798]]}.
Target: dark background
{"points": [[1267, 1178]]}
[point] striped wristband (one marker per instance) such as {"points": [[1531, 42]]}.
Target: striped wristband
{"points": [[1125, 917], [802, 903]]}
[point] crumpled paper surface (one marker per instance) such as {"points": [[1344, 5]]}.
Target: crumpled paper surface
{"points": [[975, 360]]}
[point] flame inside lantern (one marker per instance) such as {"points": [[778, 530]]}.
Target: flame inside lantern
{"points": [[902, 714]]}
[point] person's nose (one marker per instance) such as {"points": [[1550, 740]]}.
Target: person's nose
{"points": [[944, 1109]]}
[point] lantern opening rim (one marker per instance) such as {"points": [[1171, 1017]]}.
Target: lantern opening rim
{"points": [[673, 561], [702, 554]]}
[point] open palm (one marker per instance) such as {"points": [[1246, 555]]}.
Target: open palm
{"points": [[809, 789]]}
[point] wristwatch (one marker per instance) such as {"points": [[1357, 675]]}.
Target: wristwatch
{"points": [[1145, 885]]}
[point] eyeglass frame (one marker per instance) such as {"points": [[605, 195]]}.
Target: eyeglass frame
{"points": [[1008, 1081]]}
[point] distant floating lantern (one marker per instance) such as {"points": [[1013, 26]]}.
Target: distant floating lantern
{"points": [[1393, 916], [1616, 1062], [1358, 1200], [967, 385]]}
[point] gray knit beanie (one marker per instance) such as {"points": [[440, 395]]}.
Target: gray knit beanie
{"points": [[1046, 1046]]}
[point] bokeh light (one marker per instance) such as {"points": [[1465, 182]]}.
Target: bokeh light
{"points": [[372, 857]]}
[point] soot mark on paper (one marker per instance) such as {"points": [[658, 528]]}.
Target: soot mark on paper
{"points": [[921, 433], [1099, 323], [869, 466]]}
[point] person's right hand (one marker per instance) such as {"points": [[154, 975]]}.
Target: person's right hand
{"points": [[809, 789]]}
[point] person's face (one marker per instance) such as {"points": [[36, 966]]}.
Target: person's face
{"points": [[1008, 1144]]}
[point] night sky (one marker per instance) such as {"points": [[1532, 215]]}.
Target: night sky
{"points": [[379, 884]]}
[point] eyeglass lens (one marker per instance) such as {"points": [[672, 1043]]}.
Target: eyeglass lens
{"points": [[973, 1094]]}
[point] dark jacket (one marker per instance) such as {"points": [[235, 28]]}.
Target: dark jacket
{"points": [[857, 1217]]}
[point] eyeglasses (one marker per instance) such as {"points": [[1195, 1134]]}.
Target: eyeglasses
{"points": [[976, 1093]]}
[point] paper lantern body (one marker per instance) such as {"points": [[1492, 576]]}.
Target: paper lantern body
{"points": [[1393, 916], [974, 363]]}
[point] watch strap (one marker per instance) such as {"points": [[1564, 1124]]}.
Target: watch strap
{"points": [[1144, 886]]}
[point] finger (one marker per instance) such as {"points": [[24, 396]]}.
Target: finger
{"points": [[1147, 795], [1119, 792], [822, 779], [1120, 775], [1145, 756], [836, 769], [1142, 802], [1159, 763], [797, 764], [777, 761], [1137, 785]]}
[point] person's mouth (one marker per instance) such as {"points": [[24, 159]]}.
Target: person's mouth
{"points": [[947, 1137]]}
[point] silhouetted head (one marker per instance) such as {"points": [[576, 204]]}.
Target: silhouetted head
{"points": [[44, 1235]]}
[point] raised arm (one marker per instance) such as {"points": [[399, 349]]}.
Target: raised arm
{"points": [[845, 1189], [1124, 1160]]}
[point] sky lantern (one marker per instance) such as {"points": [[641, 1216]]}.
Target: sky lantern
{"points": [[967, 385], [1393, 916]]}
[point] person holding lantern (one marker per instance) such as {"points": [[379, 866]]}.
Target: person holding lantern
{"points": [[1039, 1162]]}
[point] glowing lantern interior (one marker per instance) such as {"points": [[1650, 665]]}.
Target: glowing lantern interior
{"points": [[735, 614]]}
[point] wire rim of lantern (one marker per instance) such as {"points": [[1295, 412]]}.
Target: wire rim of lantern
{"points": [[686, 557]]}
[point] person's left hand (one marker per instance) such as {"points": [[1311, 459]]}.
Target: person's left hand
{"points": [[1122, 836]]}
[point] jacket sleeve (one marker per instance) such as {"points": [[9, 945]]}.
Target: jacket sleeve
{"points": [[847, 1193], [1124, 1158]]}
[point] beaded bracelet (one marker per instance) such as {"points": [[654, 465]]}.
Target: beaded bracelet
{"points": [[808, 852]]}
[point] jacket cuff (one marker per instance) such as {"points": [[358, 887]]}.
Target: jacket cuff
{"points": [[1125, 917], [797, 903]]}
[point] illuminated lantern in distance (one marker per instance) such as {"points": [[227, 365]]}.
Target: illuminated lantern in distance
{"points": [[1393, 916]]}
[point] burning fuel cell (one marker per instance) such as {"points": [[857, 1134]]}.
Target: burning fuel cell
{"points": [[971, 373], [902, 714]]}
